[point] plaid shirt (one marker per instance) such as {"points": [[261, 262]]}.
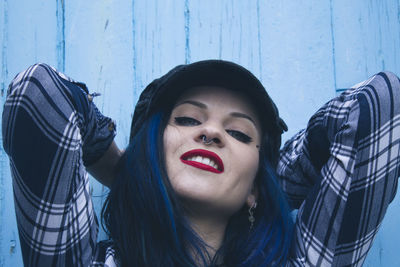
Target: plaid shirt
{"points": [[341, 172]]}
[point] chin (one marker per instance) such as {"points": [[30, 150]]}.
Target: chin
{"points": [[194, 192], [206, 202]]}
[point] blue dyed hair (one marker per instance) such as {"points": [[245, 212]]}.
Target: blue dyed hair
{"points": [[147, 227]]}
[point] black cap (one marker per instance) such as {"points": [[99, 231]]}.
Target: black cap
{"points": [[163, 92]]}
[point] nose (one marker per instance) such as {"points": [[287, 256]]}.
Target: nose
{"points": [[211, 135]]}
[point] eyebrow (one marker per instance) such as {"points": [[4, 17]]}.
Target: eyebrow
{"points": [[204, 106], [242, 115], [195, 103]]}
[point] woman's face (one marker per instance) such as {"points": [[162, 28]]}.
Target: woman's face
{"points": [[216, 177]]}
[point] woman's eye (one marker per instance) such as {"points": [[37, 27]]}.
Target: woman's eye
{"points": [[240, 136], [186, 121]]}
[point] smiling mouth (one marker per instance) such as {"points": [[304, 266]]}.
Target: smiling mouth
{"points": [[203, 159]]}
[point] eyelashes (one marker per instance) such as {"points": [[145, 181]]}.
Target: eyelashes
{"points": [[238, 135], [186, 121]]}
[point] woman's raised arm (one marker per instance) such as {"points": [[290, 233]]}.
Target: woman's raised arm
{"points": [[342, 173], [51, 131]]}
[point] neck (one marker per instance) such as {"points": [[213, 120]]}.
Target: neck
{"points": [[210, 230]]}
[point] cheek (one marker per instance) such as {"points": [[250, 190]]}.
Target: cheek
{"points": [[251, 169], [244, 169], [247, 164], [251, 174], [172, 141], [168, 142], [166, 138]]}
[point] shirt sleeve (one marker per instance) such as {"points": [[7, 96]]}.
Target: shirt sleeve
{"points": [[51, 130], [342, 173]]}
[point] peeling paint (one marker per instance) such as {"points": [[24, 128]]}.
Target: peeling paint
{"points": [[187, 32], [333, 46], [134, 53], [398, 11], [12, 246], [259, 40], [220, 42], [60, 14]]}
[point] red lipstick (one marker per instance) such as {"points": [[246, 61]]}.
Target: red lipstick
{"points": [[205, 154]]}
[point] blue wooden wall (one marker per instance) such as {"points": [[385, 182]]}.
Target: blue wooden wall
{"points": [[304, 52]]}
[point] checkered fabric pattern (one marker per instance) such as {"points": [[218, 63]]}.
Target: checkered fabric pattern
{"points": [[51, 130], [341, 171]]}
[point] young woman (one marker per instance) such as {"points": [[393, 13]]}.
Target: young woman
{"points": [[198, 184]]}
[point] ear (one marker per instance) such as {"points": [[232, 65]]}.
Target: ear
{"points": [[252, 197]]}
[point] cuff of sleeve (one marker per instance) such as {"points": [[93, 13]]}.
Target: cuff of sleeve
{"points": [[100, 137]]}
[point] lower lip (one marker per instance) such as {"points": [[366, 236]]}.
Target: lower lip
{"points": [[201, 166]]}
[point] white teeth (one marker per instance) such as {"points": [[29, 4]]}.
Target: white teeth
{"points": [[206, 161]]}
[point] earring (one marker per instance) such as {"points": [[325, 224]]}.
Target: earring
{"points": [[252, 219]]}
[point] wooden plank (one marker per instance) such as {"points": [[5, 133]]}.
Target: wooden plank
{"points": [[159, 39], [32, 34], [28, 36], [99, 52], [4, 43], [367, 40], [60, 15], [286, 44], [297, 58], [4, 166], [224, 30]]}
